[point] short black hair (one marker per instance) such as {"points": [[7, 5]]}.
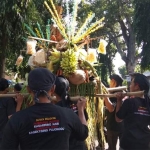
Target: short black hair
{"points": [[117, 78], [3, 84], [142, 81], [62, 86], [18, 87]]}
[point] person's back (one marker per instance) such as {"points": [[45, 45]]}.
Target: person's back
{"points": [[111, 123], [43, 125], [7, 106], [136, 132], [61, 92], [114, 129], [136, 115], [74, 142]]}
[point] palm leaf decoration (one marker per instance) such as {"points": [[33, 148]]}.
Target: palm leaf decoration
{"points": [[69, 31]]}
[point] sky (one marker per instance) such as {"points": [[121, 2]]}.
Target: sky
{"points": [[118, 62]]}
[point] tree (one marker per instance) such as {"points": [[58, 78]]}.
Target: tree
{"points": [[142, 30], [13, 14], [123, 71], [119, 28], [106, 61]]}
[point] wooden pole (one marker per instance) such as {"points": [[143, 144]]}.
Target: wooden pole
{"points": [[13, 95], [124, 94], [120, 88], [76, 98], [36, 38]]}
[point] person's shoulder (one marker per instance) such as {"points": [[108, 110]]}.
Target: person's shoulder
{"points": [[60, 103], [6, 100], [131, 100], [65, 110], [62, 108], [21, 114]]}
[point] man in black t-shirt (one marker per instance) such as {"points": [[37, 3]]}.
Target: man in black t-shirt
{"points": [[114, 129], [61, 93], [136, 115], [7, 106], [44, 126]]}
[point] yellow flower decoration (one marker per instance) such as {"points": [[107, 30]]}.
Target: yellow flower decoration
{"points": [[91, 57], [102, 46]]}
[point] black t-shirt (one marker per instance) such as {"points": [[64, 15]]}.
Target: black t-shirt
{"points": [[111, 123], [72, 105], [7, 108], [43, 126], [136, 117], [74, 144]]}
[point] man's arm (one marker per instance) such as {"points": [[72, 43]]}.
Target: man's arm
{"points": [[122, 107], [81, 106], [78, 123], [10, 107], [109, 104], [118, 106], [19, 100]]}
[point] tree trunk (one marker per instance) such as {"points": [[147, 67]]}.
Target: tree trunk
{"points": [[2, 67], [3, 48], [131, 53]]}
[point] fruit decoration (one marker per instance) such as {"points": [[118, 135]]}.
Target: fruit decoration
{"points": [[61, 50]]}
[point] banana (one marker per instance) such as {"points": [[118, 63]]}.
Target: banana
{"points": [[50, 66], [53, 59], [55, 53], [69, 62]]}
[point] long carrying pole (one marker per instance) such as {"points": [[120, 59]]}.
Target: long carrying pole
{"points": [[124, 94], [13, 95], [36, 38], [76, 98], [120, 88]]}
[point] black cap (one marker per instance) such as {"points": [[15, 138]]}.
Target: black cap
{"points": [[41, 79], [3, 84]]}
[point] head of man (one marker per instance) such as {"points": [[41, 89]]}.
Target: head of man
{"points": [[4, 86], [115, 80], [41, 83], [17, 87], [62, 86], [139, 83]]}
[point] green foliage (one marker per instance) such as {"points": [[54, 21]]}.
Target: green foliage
{"points": [[123, 71], [138, 68], [142, 29], [13, 15]]}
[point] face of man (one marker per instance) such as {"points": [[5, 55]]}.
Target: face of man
{"points": [[112, 83], [134, 86]]}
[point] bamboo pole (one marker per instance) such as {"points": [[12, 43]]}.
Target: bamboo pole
{"points": [[124, 94], [76, 98], [36, 38], [120, 88], [13, 95]]}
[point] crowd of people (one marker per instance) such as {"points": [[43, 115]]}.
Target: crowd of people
{"points": [[63, 125]]}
